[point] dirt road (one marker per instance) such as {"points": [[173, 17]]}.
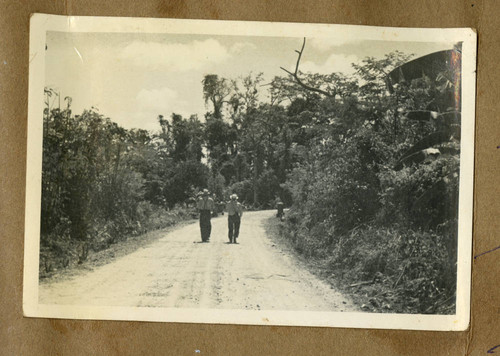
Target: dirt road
{"points": [[178, 271]]}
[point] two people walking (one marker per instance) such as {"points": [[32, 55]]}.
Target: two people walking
{"points": [[234, 211]]}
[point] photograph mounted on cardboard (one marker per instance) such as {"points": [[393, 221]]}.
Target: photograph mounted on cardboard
{"points": [[249, 173]]}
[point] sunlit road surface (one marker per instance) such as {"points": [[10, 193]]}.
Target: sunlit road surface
{"points": [[179, 271]]}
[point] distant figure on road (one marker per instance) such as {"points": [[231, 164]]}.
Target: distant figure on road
{"points": [[205, 207], [215, 211], [234, 212], [281, 209]]}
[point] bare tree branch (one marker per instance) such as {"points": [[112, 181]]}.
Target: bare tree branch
{"points": [[299, 81]]}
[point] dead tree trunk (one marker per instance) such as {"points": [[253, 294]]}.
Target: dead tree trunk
{"points": [[299, 81]]}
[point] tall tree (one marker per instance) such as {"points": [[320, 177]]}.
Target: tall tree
{"points": [[215, 91]]}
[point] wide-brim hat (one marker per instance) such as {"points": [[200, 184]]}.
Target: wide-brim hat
{"points": [[233, 196], [205, 192]]}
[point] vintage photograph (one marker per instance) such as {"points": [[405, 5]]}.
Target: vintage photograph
{"points": [[249, 173]]}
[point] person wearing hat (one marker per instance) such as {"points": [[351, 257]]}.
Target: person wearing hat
{"points": [[234, 212], [205, 207], [280, 206]]}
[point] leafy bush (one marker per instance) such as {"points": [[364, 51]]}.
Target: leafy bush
{"points": [[377, 194]]}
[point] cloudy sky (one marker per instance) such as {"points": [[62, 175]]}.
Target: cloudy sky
{"points": [[132, 78]]}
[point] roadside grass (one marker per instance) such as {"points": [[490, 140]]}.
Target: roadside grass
{"points": [[371, 268], [61, 258]]}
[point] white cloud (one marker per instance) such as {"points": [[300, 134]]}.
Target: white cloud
{"points": [[175, 56], [239, 47], [324, 44], [334, 63], [159, 100], [149, 103]]}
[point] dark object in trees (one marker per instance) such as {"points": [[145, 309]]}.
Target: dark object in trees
{"points": [[443, 70], [424, 148]]}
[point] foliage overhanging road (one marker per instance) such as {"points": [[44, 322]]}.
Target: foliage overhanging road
{"points": [[177, 271]]}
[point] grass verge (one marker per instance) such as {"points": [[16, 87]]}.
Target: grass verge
{"points": [[71, 265], [372, 274]]}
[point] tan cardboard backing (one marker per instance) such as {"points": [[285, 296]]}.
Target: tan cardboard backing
{"points": [[29, 336]]}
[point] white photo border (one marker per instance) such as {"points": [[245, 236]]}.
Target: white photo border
{"points": [[41, 23]]}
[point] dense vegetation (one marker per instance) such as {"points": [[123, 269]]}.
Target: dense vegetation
{"points": [[368, 167]]}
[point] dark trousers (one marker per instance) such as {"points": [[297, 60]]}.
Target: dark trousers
{"points": [[205, 225], [233, 222]]}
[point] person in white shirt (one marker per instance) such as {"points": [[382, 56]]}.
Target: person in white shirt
{"points": [[205, 207], [234, 212]]}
